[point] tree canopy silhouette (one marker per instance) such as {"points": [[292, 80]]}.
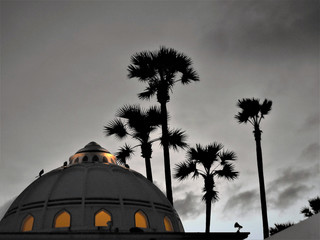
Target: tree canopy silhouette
{"points": [[208, 162], [161, 70], [279, 227], [314, 208], [253, 111], [139, 123]]}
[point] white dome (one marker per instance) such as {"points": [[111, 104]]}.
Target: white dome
{"points": [[85, 187]]}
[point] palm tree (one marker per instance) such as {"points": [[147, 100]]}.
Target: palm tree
{"points": [[208, 162], [279, 227], [161, 70], [253, 112], [139, 123], [314, 204]]}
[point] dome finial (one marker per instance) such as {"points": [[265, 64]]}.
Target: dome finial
{"points": [[92, 153]]}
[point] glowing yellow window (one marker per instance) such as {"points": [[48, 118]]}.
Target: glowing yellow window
{"points": [[27, 224], [140, 220], [168, 224], [102, 218], [62, 220]]}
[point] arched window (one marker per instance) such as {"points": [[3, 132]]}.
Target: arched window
{"points": [[27, 224], [140, 220], [102, 218], [167, 224], [62, 220]]}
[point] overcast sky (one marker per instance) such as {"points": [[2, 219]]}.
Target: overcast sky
{"points": [[64, 75]]}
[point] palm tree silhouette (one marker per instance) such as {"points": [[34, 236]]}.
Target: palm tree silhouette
{"points": [[139, 123], [253, 112], [161, 70], [213, 162]]}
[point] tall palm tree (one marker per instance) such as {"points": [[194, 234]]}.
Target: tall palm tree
{"points": [[161, 70], [139, 123], [209, 162], [253, 112]]}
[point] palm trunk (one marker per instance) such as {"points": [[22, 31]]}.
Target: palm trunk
{"points": [[148, 169], [146, 151], [208, 215], [166, 155], [257, 135]]}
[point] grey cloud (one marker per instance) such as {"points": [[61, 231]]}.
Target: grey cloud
{"points": [[289, 196], [189, 207], [258, 27], [311, 123], [290, 177], [290, 186], [243, 202], [180, 187], [311, 152]]}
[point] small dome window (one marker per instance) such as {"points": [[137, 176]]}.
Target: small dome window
{"points": [[140, 220], [95, 158], [62, 220], [167, 224], [102, 218], [27, 224]]}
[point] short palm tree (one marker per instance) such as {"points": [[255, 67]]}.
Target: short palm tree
{"points": [[253, 111], [209, 162], [161, 70], [139, 123]]}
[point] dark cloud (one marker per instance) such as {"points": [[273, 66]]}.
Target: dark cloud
{"points": [[289, 196], [311, 152], [312, 122], [290, 186], [189, 207], [267, 27], [243, 202], [290, 177], [286, 190]]}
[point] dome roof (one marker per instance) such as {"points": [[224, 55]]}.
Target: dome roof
{"points": [[92, 184]]}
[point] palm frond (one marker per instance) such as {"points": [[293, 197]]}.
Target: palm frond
{"points": [[189, 75], [195, 153], [129, 111], [174, 60], [153, 116], [148, 93], [265, 107], [124, 153], [226, 156], [141, 66], [213, 149], [184, 169], [242, 117], [227, 172], [176, 139], [117, 128], [212, 196], [250, 109]]}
